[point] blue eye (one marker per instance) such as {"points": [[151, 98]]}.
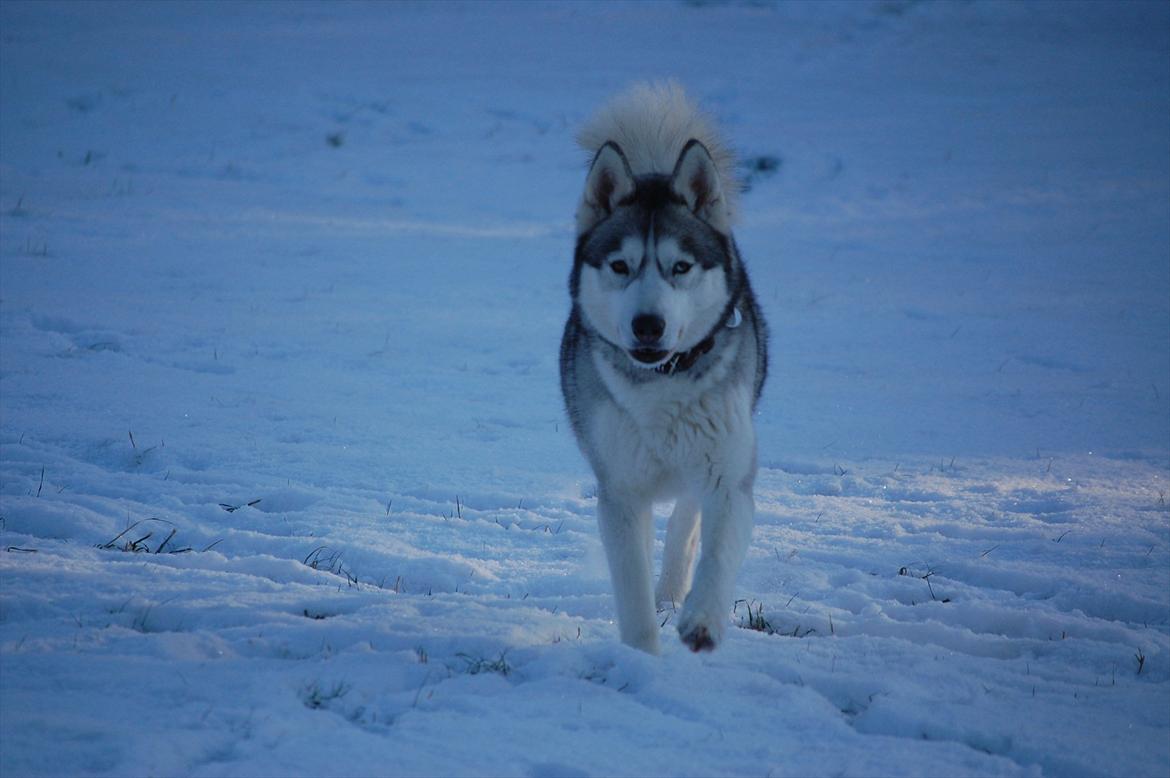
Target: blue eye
{"points": [[681, 268]]}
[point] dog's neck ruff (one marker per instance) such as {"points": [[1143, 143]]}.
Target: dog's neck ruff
{"points": [[685, 360]]}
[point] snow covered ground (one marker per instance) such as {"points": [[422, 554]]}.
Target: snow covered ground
{"points": [[285, 482]]}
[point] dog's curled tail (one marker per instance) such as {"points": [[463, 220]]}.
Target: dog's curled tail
{"points": [[652, 123]]}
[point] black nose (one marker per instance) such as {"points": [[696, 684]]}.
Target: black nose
{"points": [[648, 328]]}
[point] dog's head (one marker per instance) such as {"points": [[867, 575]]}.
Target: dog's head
{"points": [[653, 274]]}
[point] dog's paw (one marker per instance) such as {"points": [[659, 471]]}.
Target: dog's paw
{"points": [[699, 631], [647, 642], [698, 639]]}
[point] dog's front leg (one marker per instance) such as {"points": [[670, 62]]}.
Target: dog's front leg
{"points": [[627, 533], [728, 513]]}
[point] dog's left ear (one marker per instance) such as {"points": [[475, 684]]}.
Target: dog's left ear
{"points": [[696, 180]]}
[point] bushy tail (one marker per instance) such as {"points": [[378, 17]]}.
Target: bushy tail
{"points": [[651, 123]]}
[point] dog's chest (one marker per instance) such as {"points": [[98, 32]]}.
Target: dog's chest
{"points": [[674, 428]]}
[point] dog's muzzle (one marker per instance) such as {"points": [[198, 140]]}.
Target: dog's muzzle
{"points": [[648, 329]]}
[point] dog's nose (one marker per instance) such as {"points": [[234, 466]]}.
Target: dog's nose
{"points": [[648, 328]]}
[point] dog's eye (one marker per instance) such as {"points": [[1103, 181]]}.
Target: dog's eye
{"points": [[681, 267], [620, 267]]}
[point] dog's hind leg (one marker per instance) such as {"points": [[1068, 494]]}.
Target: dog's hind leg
{"points": [[678, 558], [627, 534]]}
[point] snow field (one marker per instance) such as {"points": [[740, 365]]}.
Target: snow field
{"points": [[287, 281], [1008, 614]]}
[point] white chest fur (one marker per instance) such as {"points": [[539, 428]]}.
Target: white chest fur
{"points": [[670, 436]]}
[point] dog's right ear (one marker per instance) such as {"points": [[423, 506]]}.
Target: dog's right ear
{"points": [[610, 180]]}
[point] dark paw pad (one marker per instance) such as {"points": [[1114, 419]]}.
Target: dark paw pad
{"points": [[699, 639]]}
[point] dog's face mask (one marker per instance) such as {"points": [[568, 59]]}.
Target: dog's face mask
{"points": [[653, 259]]}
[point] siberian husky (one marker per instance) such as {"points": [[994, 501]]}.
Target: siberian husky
{"points": [[663, 359]]}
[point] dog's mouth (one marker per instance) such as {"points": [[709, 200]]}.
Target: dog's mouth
{"points": [[649, 356]]}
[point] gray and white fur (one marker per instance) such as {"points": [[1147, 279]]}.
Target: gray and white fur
{"points": [[662, 361]]}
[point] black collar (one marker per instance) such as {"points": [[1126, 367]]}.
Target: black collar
{"points": [[685, 360]]}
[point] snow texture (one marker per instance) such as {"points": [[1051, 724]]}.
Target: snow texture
{"points": [[286, 487]]}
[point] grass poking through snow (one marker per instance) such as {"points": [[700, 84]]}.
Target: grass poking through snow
{"points": [[130, 540]]}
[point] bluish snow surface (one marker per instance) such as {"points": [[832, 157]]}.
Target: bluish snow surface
{"points": [[281, 289]]}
